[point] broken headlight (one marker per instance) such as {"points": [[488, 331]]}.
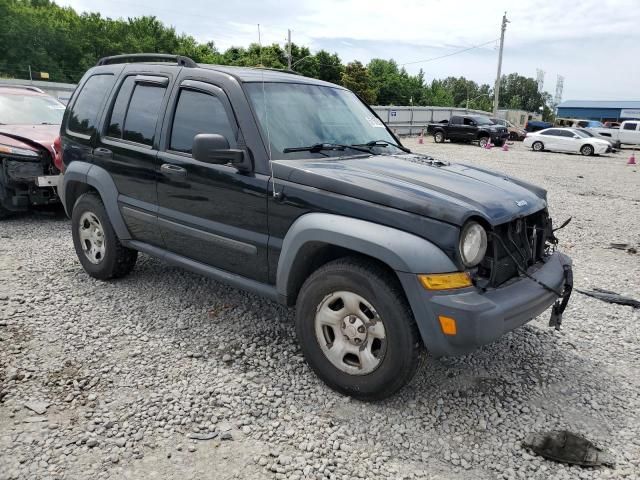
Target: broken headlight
{"points": [[23, 152]]}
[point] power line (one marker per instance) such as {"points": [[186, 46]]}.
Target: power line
{"points": [[449, 54]]}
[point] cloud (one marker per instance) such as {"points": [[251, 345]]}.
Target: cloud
{"points": [[592, 43]]}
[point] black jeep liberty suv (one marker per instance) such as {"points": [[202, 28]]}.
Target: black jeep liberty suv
{"points": [[294, 189]]}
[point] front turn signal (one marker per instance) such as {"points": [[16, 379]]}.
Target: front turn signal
{"points": [[445, 281]]}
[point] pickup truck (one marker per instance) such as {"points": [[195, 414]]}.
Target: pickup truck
{"points": [[294, 189], [627, 134], [469, 128]]}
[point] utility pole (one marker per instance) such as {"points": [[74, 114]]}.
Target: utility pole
{"points": [[496, 96], [289, 49], [30, 76]]}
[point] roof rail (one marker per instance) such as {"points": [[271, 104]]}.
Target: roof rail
{"points": [[281, 70], [147, 57], [24, 87]]}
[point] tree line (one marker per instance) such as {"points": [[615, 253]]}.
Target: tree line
{"points": [[58, 40]]}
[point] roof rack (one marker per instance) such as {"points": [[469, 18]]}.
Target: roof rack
{"points": [[24, 87], [281, 70], [147, 57]]}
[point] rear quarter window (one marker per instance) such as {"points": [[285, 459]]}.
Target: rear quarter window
{"points": [[83, 116]]}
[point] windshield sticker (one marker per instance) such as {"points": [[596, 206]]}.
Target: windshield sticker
{"points": [[374, 122]]}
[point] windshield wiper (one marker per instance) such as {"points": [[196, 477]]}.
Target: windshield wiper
{"points": [[319, 147], [381, 143]]}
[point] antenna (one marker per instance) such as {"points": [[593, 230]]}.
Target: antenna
{"points": [[559, 86], [260, 45], [540, 78]]}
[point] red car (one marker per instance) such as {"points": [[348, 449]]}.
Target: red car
{"points": [[29, 163]]}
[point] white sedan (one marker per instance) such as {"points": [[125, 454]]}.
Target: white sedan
{"points": [[566, 140]]}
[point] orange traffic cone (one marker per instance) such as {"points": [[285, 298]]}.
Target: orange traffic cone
{"points": [[632, 159], [421, 137], [505, 147]]}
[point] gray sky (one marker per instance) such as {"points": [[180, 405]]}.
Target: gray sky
{"points": [[594, 44]]}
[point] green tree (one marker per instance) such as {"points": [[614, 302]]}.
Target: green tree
{"points": [[356, 78], [329, 66]]}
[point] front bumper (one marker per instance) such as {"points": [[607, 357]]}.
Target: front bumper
{"points": [[483, 316]]}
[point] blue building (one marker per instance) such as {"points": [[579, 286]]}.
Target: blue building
{"points": [[603, 110]]}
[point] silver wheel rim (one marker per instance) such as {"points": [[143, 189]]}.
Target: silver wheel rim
{"points": [[537, 146], [586, 150], [91, 236], [438, 137], [483, 142], [350, 333]]}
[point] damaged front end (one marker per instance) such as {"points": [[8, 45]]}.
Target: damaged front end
{"points": [[27, 178], [518, 249]]}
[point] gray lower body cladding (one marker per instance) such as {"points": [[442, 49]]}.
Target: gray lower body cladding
{"points": [[482, 316]]}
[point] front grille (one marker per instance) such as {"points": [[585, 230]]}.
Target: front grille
{"points": [[523, 240]]}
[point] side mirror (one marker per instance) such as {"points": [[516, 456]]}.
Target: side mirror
{"points": [[214, 148]]}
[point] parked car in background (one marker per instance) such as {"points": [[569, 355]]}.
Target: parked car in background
{"points": [[577, 123], [627, 134], [535, 125], [584, 132], [515, 133], [469, 128], [29, 164], [566, 140]]}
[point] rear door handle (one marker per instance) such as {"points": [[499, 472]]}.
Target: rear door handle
{"points": [[102, 152], [172, 169]]}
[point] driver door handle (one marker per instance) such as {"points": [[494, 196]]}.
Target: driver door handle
{"points": [[171, 169]]}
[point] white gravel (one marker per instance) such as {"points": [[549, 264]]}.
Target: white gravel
{"points": [[127, 371]]}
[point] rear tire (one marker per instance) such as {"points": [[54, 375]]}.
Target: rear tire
{"points": [[98, 248], [438, 137], [587, 150], [356, 329], [537, 146]]}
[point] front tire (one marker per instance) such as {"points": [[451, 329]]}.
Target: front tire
{"points": [[356, 329], [438, 137], [499, 143], [98, 248], [483, 142], [586, 150], [537, 146]]}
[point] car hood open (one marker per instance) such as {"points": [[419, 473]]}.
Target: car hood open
{"points": [[416, 183]]}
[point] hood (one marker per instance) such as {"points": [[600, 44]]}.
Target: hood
{"points": [[415, 183], [33, 136]]}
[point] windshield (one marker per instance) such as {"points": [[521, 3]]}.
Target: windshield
{"points": [[298, 115], [30, 110], [583, 134], [483, 120]]}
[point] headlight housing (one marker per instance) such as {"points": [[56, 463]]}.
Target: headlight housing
{"points": [[473, 244], [23, 152]]}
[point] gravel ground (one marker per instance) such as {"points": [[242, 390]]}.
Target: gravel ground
{"points": [[116, 380]]}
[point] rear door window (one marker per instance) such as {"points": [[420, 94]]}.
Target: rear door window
{"points": [[198, 112], [84, 113], [629, 126], [135, 111]]}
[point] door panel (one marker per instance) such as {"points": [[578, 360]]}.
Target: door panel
{"points": [[127, 148], [208, 212]]}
